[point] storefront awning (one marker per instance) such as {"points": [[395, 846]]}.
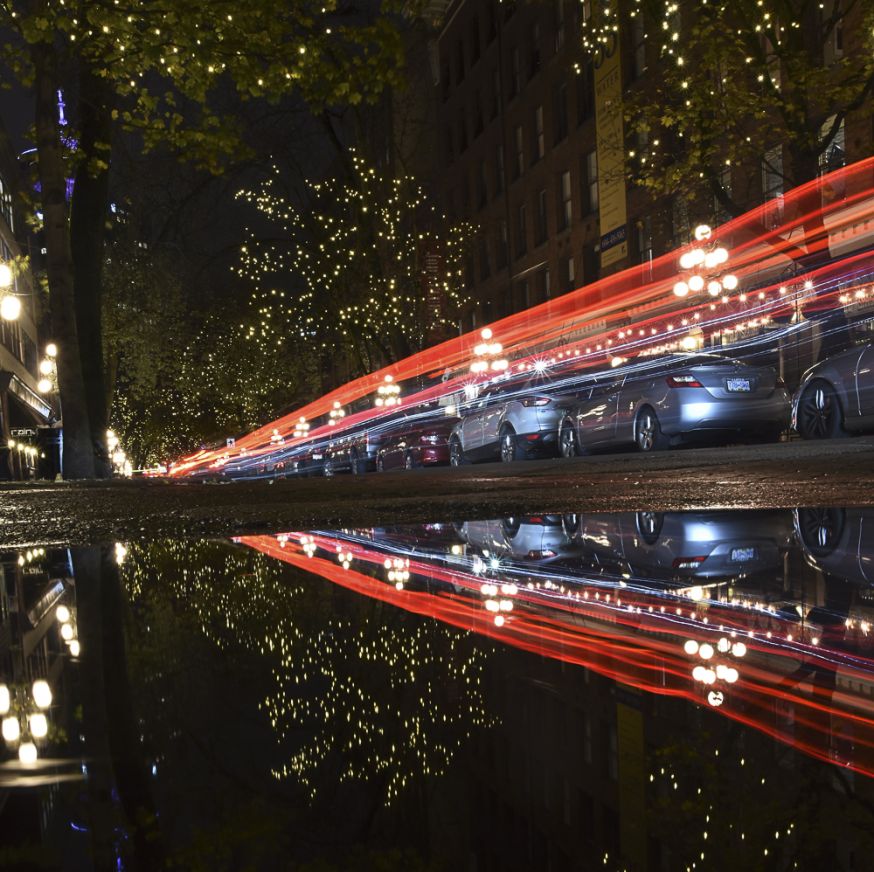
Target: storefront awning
{"points": [[31, 399]]}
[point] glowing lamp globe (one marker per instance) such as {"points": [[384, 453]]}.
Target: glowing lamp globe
{"points": [[698, 673], [5, 275], [75, 648], [51, 350], [681, 289], [691, 647], [46, 367], [44, 385], [66, 632], [10, 308], [4, 699], [714, 288], [11, 729], [686, 260], [696, 283], [702, 232], [486, 333], [42, 693], [27, 753], [706, 651], [62, 613], [39, 726], [729, 282]]}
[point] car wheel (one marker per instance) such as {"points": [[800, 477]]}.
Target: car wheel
{"points": [[511, 527], [328, 469], [380, 464], [567, 440], [648, 434], [819, 412], [410, 461], [820, 529], [649, 526], [456, 453], [510, 448]]}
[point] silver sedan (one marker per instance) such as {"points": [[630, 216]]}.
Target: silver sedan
{"points": [[836, 395], [659, 403]]}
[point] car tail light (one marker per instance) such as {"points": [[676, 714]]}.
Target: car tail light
{"points": [[683, 381], [688, 562], [538, 555], [430, 438], [535, 401]]}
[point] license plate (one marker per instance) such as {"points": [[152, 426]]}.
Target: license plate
{"points": [[317, 457], [743, 555], [738, 384]]}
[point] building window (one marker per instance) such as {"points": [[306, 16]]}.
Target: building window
{"points": [[834, 156], [496, 92], [586, 10], [644, 240], [501, 249], [515, 72], [559, 24], [522, 296], [474, 40], [540, 229], [519, 168], [481, 187], [484, 268], [534, 57], [462, 132], [585, 94], [561, 112], [566, 209], [591, 181], [477, 114], [539, 138], [638, 39], [569, 274], [491, 29], [445, 83], [499, 170], [521, 231], [459, 63], [547, 284]]}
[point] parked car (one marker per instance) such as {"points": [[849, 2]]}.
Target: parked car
{"points": [[356, 450], [676, 399], [528, 538], [416, 443], [508, 422], [308, 461], [837, 395]]}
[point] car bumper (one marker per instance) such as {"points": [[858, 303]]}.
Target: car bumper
{"points": [[434, 456], [750, 414]]}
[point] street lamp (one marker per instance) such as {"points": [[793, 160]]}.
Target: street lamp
{"points": [[487, 354], [388, 393], [703, 263], [10, 305], [24, 722]]}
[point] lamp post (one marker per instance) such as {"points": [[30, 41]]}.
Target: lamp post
{"points": [[24, 723], [388, 394], [10, 304], [488, 355], [702, 266]]}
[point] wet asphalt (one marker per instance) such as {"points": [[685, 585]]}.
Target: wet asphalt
{"points": [[785, 475]]}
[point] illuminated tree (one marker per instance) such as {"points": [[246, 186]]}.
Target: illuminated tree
{"points": [[742, 90], [353, 267], [168, 73]]}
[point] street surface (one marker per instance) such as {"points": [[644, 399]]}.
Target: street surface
{"points": [[833, 473]]}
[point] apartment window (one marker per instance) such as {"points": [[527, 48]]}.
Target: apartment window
{"points": [[772, 174], [643, 227], [559, 24], [547, 284], [586, 10], [484, 267], [477, 114], [462, 132], [720, 213], [481, 187], [499, 170], [520, 152], [540, 229], [496, 92], [590, 263], [585, 94], [591, 181], [561, 112], [445, 83], [638, 40], [516, 71], [521, 231], [539, 138], [569, 274], [491, 29], [502, 247], [566, 209], [834, 156], [474, 40], [459, 62], [534, 56]]}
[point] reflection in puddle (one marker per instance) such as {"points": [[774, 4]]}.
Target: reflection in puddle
{"points": [[640, 690]]}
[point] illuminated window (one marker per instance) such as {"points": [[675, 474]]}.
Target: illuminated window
{"points": [[539, 138], [540, 230], [520, 152], [566, 210], [592, 181]]}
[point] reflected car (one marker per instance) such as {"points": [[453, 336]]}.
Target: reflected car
{"points": [[418, 443], [699, 545], [836, 396], [508, 422], [309, 461], [839, 542], [678, 399], [539, 538]]}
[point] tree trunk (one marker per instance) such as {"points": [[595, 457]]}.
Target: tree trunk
{"points": [[87, 234], [78, 457]]}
